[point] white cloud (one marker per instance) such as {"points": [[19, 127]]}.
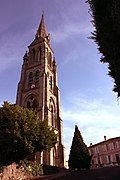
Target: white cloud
{"points": [[69, 29], [71, 24], [93, 117], [73, 20]]}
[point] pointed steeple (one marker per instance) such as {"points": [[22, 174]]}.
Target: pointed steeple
{"points": [[41, 32]]}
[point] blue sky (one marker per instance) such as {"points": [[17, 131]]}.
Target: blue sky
{"points": [[87, 99]]}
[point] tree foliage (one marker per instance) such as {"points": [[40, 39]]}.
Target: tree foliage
{"points": [[106, 20], [79, 155], [22, 134]]}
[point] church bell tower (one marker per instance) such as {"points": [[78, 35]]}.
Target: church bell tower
{"points": [[38, 90]]}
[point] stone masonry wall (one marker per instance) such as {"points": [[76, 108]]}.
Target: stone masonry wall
{"points": [[11, 172]]}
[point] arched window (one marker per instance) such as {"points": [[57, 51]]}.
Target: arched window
{"points": [[37, 76], [50, 82], [54, 157], [52, 116], [50, 57], [32, 103], [30, 78], [28, 105], [39, 54], [52, 113]]}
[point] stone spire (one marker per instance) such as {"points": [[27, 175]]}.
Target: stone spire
{"points": [[38, 90], [41, 32]]}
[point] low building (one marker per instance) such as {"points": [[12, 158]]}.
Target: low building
{"points": [[105, 153]]}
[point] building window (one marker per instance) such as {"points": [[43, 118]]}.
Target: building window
{"points": [[50, 82], [32, 103], [52, 116], [30, 78], [109, 159], [107, 147], [54, 156], [37, 76], [39, 54], [117, 159], [50, 59], [52, 112], [114, 143], [29, 105]]}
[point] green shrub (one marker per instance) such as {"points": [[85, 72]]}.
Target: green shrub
{"points": [[31, 168], [36, 169]]}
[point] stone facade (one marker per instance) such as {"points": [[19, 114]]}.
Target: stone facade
{"points": [[105, 153], [12, 172], [38, 89]]}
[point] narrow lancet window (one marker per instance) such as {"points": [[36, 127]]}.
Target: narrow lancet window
{"points": [[30, 78], [37, 77], [39, 54], [50, 82]]}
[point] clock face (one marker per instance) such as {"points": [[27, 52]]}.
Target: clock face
{"points": [[33, 85]]}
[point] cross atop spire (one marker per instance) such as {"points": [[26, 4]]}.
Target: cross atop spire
{"points": [[41, 32]]}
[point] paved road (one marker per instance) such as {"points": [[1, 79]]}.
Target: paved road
{"points": [[109, 173]]}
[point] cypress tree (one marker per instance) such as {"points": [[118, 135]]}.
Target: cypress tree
{"points": [[79, 157], [106, 21]]}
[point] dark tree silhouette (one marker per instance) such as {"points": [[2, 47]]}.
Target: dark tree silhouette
{"points": [[79, 157], [106, 20]]}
